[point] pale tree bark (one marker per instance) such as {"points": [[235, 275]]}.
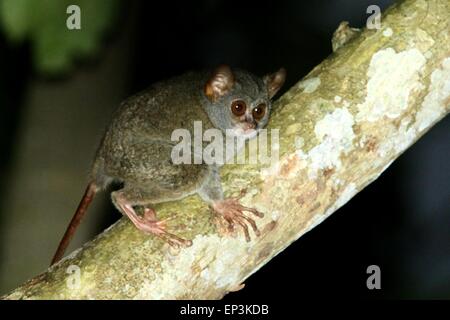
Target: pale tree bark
{"points": [[340, 128]]}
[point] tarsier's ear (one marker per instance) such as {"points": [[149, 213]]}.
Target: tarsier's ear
{"points": [[219, 83], [274, 81]]}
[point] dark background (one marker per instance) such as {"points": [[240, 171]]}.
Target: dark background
{"points": [[51, 125]]}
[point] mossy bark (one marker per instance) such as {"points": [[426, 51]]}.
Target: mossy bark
{"points": [[340, 128]]}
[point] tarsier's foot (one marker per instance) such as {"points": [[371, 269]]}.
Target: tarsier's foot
{"points": [[233, 213], [150, 224]]}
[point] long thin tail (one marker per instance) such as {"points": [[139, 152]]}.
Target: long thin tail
{"points": [[89, 194]]}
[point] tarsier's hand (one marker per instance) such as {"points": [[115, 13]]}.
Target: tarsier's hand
{"points": [[232, 212]]}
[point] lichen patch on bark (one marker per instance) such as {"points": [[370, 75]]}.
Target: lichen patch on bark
{"points": [[335, 135], [309, 85], [391, 78]]}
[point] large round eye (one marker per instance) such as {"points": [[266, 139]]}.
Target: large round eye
{"points": [[238, 108], [259, 111]]}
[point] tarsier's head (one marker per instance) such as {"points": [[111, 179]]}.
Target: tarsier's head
{"points": [[239, 101]]}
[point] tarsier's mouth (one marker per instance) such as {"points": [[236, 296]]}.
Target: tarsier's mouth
{"points": [[245, 130], [247, 127]]}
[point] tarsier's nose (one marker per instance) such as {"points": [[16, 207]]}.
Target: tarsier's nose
{"points": [[248, 125]]}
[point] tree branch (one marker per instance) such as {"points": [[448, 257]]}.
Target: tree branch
{"points": [[340, 128]]}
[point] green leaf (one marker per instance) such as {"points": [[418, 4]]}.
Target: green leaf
{"points": [[14, 18], [43, 22]]}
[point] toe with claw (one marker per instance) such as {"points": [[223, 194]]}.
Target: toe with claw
{"points": [[150, 224]]}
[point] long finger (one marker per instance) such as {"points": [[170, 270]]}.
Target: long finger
{"points": [[253, 224], [244, 227], [253, 210], [230, 223]]}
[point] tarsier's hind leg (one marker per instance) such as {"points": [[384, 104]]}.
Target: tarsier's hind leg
{"points": [[153, 178], [125, 200]]}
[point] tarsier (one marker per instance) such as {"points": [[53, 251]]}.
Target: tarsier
{"points": [[136, 148]]}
